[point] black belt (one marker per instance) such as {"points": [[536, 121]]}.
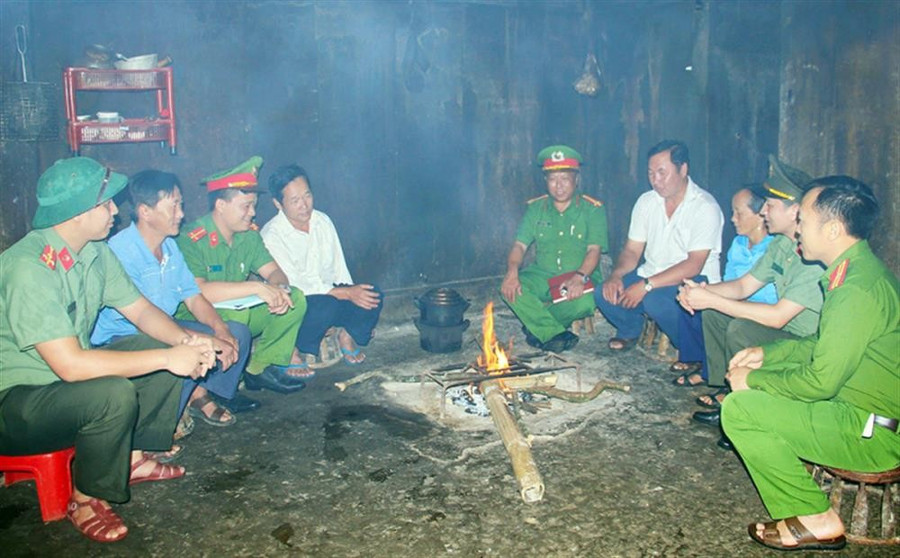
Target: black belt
{"points": [[885, 422]]}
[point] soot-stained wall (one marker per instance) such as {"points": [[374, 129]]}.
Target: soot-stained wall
{"points": [[419, 121]]}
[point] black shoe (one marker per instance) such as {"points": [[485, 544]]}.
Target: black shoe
{"points": [[273, 378], [531, 339], [709, 418], [237, 404], [562, 342], [725, 443]]}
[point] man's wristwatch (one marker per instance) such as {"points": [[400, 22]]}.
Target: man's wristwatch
{"points": [[584, 278], [648, 286]]}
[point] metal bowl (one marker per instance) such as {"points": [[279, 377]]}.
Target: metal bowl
{"points": [[142, 62]]}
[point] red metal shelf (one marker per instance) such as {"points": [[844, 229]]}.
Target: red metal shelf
{"points": [[132, 130]]}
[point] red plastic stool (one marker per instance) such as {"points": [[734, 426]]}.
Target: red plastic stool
{"points": [[52, 475]]}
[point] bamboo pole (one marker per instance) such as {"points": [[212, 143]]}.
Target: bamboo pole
{"points": [[531, 486]]}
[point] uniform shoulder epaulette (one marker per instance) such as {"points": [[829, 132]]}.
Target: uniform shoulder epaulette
{"points": [[197, 233], [48, 256], [532, 200], [593, 201], [838, 275]]}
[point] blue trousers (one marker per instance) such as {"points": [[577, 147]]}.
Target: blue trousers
{"points": [[659, 304], [222, 383], [690, 338], [324, 311]]}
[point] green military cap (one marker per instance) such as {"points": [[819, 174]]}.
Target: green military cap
{"points": [[559, 157], [784, 181], [242, 176], [72, 186]]}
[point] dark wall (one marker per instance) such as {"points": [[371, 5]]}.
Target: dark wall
{"points": [[418, 122]]}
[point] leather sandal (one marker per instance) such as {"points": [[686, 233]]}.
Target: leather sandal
{"points": [[160, 471], [98, 525], [714, 398], [165, 456], [195, 408], [683, 380], [805, 540], [686, 367]]}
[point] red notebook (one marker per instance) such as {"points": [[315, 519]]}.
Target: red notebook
{"points": [[558, 292]]}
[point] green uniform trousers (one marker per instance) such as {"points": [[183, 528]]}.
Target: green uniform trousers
{"points": [[724, 336], [104, 418], [534, 308], [276, 334], [772, 434]]}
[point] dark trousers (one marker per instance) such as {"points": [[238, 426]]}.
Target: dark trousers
{"points": [[659, 304], [325, 311], [221, 382], [690, 339], [104, 418]]}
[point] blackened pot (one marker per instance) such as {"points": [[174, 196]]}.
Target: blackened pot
{"points": [[441, 307], [441, 339]]}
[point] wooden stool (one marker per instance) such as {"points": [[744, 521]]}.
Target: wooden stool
{"points": [[651, 333], [884, 486], [52, 476], [586, 323]]}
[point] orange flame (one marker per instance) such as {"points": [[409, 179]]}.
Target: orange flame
{"points": [[494, 357]]}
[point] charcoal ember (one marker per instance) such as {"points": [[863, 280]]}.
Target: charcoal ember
{"points": [[470, 399]]}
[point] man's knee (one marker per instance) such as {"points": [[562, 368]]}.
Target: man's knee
{"points": [[114, 395], [737, 334], [241, 334], [299, 300]]}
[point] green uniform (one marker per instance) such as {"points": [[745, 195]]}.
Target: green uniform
{"points": [[209, 257], [794, 280], [48, 292], [561, 241], [812, 397]]}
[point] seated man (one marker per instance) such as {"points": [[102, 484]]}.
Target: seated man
{"points": [[830, 398], [677, 229], [306, 246], [569, 232], [749, 245], [730, 322], [155, 264], [55, 392], [222, 249]]}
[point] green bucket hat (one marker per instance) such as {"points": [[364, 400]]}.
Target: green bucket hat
{"points": [[784, 182], [71, 187]]}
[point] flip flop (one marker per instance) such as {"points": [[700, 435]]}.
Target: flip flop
{"points": [[714, 397], [195, 409], [624, 344], [805, 540], [165, 456], [301, 370], [685, 383], [98, 525], [354, 353], [160, 471]]}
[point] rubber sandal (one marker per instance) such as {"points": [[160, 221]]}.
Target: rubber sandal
{"points": [[714, 397], [354, 353], [805, 540], [195, 409], [624, 344], [160, 471], [685, 367], [165, 456], [682, 380], [301, 370], [98, 525]]}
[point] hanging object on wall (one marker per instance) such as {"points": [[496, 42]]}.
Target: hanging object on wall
{"points": [[27, 109], [589, 82]]}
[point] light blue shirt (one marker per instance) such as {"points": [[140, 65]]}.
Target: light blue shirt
{"points": [[166, 284], [740, 259]]}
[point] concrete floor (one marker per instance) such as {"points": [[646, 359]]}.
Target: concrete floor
{"points": [[359, 473]]}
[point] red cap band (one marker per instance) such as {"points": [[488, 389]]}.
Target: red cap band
{"points": [[240, 180], [550, 164]]}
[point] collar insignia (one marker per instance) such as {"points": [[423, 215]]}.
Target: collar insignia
{"points": [[213, 239], [838, 275], [66, 259]]}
